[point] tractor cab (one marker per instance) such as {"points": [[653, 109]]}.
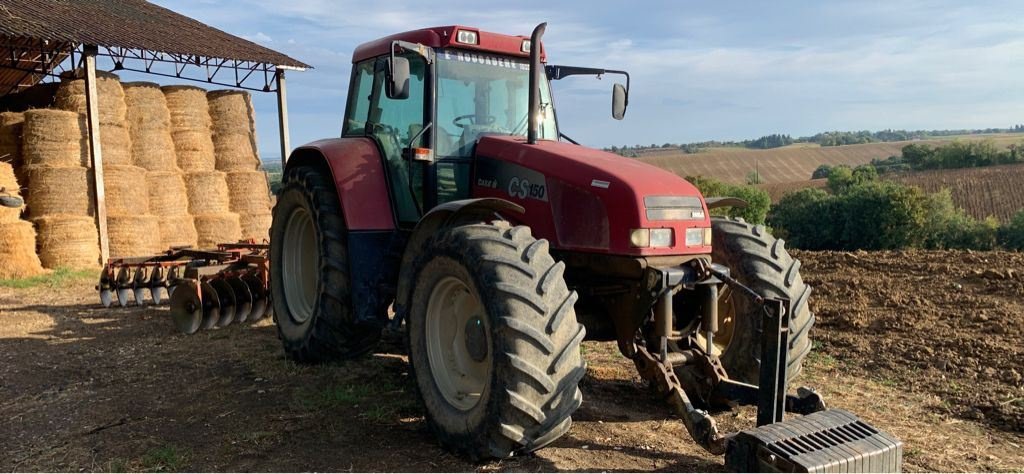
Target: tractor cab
{"points": [[428, 96]]}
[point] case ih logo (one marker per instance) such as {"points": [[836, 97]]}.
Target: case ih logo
{"points": [[522, 188]]}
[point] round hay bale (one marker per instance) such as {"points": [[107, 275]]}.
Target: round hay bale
{"points": [[194, 150], [133, 235], [231, 111], [207, 192], [147, 106], [167, 194], [178, 231], [256, 226], [235, 152], [9, 185], [67, 241], [195, 161], [153, 149], [18, 257], [248, 192], [126, 190], [59, 190], [71, 95], [116, 145], [188, 108], [213, 229], [55, 138], [10, 137]]}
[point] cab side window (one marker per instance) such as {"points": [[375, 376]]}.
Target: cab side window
{"points": [[358, 100]]}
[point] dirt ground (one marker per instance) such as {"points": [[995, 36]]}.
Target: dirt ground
{"points": [[926, 345]]}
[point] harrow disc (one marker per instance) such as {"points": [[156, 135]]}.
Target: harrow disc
{"points": [[123, 284], [211, 305], [260, 305], [226, 297], [187, 308], [106, 297], [243, 299], [139, 282], [157, 284]]}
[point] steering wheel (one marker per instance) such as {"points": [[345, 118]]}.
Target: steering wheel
{"points": [[461, 120]]}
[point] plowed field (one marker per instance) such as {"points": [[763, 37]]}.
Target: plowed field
{"points": [[926, 345]]}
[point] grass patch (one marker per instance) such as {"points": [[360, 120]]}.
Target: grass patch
{"points": [[333, 396], [164, 459], [57, 278]]}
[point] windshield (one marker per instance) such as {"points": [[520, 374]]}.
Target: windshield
{"points": [[480, 94]]}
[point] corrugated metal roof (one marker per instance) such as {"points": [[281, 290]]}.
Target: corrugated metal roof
{"points": [[133, 24]]}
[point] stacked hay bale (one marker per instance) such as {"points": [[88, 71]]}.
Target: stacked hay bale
{"points": [[149, 126], [54, 152], [114, 140], [10, 141], [234, 140], [18, 257], [206, 188]]}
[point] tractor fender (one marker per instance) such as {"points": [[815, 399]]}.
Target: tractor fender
{"points": [[445, 215], [356, 166], [716, 202]]}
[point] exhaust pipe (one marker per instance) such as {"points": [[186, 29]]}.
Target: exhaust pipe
{"points": [[535, 69]]}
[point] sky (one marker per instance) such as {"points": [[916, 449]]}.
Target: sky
{"points": [[701, 70]]}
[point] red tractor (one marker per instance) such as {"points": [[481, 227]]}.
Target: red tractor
{"points": [[453, 197]]}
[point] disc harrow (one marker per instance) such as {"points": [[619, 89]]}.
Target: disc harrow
{"points": [[205, 288]]}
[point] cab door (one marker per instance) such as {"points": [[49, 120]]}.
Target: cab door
{"points": [[392, 124]]}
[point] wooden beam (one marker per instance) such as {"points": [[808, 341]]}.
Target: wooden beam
{"points": [[92, 116], [282, 117]]}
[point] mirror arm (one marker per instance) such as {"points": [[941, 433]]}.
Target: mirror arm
{"points": [[574, 142]]}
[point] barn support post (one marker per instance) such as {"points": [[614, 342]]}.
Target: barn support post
{"points": [[282, 116], [92, 117]]}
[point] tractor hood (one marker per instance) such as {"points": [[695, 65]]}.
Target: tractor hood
{"points": [[585, 199]]}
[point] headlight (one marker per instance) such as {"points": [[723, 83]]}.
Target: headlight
{"points": [[644, 238], [707, 237]]}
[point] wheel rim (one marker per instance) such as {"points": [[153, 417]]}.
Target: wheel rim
{"points": [[300, 259], [457, 343], [726, 324]]}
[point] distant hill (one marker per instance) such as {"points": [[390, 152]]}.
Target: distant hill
{"points": [[789, 163]]}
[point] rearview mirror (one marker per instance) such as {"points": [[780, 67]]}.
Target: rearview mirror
{"points": [[619, 100], [398, 78]]}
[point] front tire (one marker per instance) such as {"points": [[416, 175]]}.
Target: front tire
{"points": [[761, 262], [494, 343], [309, 277]]}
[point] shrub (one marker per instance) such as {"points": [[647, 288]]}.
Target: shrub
{"points": [[1012, 235], [758, 201], [806, 219], [821, 172]]}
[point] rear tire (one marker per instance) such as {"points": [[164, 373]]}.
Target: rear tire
{"points": [[309, 273], [760, 262], [515, 355]]}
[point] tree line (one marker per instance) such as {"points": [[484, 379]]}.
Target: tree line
{"points": [[955, 155], [833, 138]]}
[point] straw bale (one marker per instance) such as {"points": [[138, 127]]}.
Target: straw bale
{"points": [[71, 96], [207, 192], [235, 152], [133, 235], [54, 138], [214, 229], [59, 190], [194, 150], [125, 190], [167, 194], [10, 137], [256, 226], [231, 111], [248, 191], [153, 149], [9, 185], [116, 145], [147, 106], [67, 241], [188, 108], [178, 231], [18, 257]]}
